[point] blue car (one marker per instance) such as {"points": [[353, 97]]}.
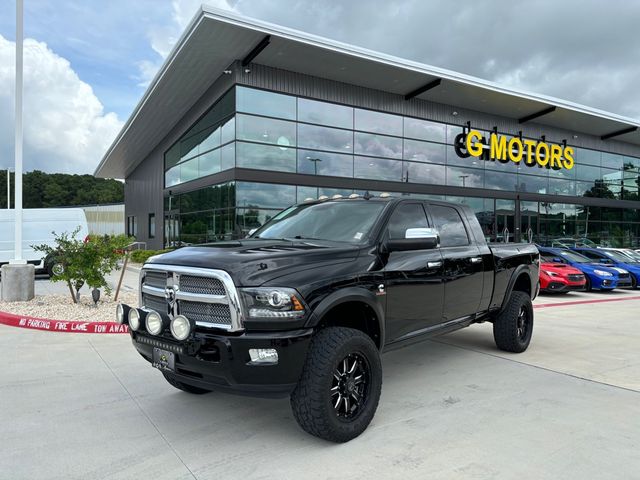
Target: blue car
{"points": [[613, 259], [599, 277]]}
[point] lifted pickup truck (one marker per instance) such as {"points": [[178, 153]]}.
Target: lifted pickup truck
{"points": [[304, 307]]}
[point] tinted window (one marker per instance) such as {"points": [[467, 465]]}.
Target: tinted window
{"points": [[424, 130], [322, 163], [378, 122], [325, 113], [407, 215], [266, 130], [449, 224], [266, 103], [323, 138]]}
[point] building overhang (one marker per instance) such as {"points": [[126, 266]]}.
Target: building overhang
{"points": [[215, 39]]}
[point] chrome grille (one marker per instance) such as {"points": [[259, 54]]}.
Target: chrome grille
{"points": [[201, 285], [207, 296], [206, 312], [156, 279]]}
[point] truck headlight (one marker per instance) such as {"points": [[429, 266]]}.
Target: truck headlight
{"points": [[181, 327], [134, 318], [602, 273], [155, 322], [273, 302]]}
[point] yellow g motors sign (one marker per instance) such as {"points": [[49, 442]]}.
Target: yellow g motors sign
{"points": [[515, 149]]}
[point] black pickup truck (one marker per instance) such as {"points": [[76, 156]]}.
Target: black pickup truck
{"points": [[305, 306]]}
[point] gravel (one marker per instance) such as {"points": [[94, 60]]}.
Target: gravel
{"points": [[60, 307]]}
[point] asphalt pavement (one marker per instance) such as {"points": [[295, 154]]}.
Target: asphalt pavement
{"points": [[77, 406]]}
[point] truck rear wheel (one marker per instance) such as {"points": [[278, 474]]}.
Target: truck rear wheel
{"points": [[183, 386], [513, 327], [339, 389]]}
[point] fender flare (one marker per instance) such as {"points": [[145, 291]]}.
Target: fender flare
{"points": [[350, 294], [512, 282]]}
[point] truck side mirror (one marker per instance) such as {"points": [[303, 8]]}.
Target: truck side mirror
{"points": [[415, 239]]}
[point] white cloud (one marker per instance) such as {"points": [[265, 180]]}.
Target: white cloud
{"points": [[65, 126], [163, 37]]}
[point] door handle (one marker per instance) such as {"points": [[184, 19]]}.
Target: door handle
{"points": [[434, 264], [475, 259]]}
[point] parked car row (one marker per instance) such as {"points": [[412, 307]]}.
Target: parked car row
{"points": [[584, 268]]}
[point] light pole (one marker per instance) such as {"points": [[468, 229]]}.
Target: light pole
{"points": [[9, 188], [463, 177], [315, 164]]}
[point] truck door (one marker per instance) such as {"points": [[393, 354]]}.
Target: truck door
{"points": [[413, 279], [463, 265]]}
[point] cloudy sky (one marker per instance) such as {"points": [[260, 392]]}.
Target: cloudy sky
{"points": [[87, 62]]}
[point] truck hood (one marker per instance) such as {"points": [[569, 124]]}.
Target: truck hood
{"points": [[252, 262]]}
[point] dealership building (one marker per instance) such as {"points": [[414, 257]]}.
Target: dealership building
{"points": [[245, 118]]}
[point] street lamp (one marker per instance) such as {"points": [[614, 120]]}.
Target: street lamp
{"points": [[315, 164], [463, 177]]}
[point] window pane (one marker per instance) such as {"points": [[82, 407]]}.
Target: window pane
{"points": [[532, 184], [228, 156], [377, 169], [424, 130], [561, 187], [228, 130], [501, 181], [322, 163], [325, 113], [377, 145], [324, 138], [303, 193], [265, 157], [424, 173], [405, 216], [172, 157], [209, 163], [417, 151], [563, 173], [266, 103], [587, 157], [449, 224], [264, 195], [611, 160], [172, 177], [189, 170], [465, 177], [266, 130], [210, 139], [584, 172], [473, 162], [452, 132], [249, 218], [378, 122]]}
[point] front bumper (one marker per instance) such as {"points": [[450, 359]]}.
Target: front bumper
{"points": [[563, 287], [221, 362]]}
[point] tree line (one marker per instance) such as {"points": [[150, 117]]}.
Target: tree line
{"points": [[44, 190]]}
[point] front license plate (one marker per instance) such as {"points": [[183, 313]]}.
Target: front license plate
{"points": [[163, 359]]}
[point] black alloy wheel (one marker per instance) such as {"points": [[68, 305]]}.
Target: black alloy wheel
{"points": [[350, 386], [522, 323]]}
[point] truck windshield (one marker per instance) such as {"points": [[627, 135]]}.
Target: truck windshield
{"points": [[346, 221]]}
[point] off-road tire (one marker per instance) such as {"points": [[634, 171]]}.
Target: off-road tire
{"points": [[311, 401], [512, 332], [183, 386]]}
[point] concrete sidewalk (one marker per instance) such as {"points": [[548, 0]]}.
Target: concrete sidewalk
{"points": [[87, 406]]}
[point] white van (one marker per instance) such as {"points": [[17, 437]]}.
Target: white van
{"points": [[38, 225]]}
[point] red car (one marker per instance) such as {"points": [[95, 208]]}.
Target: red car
{"points": [[560, 278]]}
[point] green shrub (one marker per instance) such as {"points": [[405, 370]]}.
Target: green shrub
{"points": [[141, 256]]}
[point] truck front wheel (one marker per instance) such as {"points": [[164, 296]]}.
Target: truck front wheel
{"points": [[339, 389], [513, 327]]}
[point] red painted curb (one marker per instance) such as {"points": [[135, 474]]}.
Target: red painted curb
{"points": [[65, 326], [583, 302]]}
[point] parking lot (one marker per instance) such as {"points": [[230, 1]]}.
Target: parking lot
{"points": [[87, 406]]}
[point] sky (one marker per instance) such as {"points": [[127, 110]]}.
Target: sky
{"points": [[88, 62]]}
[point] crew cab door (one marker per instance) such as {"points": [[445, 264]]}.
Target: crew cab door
{"points": [[463, 272], [413, 279]]}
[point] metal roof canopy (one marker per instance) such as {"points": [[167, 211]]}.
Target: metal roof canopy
{"points": [[195, 60]]}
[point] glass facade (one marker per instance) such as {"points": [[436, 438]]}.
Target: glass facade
{"points": [[261, 130]]}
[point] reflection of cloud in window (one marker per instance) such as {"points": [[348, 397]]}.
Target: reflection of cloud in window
{"points": [[378, 168], [265, 195], [378, 145]]}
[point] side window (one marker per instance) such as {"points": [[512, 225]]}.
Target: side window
{"points": [[406, 215], [450, 226]]}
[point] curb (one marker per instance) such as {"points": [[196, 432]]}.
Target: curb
{"points": [[63, 326]]}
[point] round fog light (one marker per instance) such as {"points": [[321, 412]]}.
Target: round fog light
{"points": [[180, 327], [134, 319], [154, 323], [121, 313]]}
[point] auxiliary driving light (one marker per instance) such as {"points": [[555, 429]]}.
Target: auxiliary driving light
{"points": [[154, 323], [134, 319], [122, 313], [264, 356], [181, 327]]}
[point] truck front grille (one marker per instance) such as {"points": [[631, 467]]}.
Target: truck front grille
{"points": [[205, 296]]}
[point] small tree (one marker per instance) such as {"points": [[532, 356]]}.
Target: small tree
{"points": [[84, 262]]}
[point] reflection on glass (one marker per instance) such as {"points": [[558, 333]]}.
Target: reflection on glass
{"points": [[250, 218], [261, 102], [210, 139], [473, 162], [209, 163], [228, 156], [424, 173], [465, 177], [417, 151], [322, 163], [501, 181], [587, 157], [378, 122], [266, 130], [561, 187], [532, 184], [264, 195], [303, 193], [313, 111], [377, 169], [172, 177], [587, 173], [228, 130], [611, 160], [424, 130], [452, 132], [325, 138], [265, 157], [377, 145], [189, 170]]}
